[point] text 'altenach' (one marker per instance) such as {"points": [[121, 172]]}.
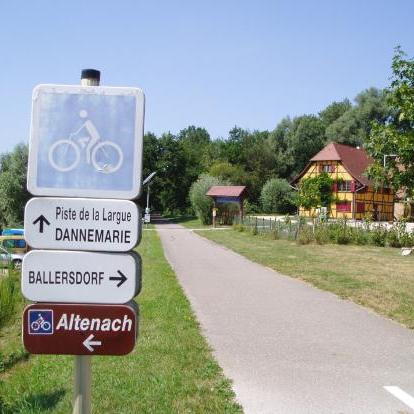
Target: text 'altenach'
{"points": [[93, 235], [74, 322]]}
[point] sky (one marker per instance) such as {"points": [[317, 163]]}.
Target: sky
{"points": [[213, 64]]}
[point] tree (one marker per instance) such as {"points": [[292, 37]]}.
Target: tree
{"points": [[315, 192], [233, 146], [202, 204], [396, 137], [234, 174], [334, 111], [278, 140], [277, 196], [305, 139], [354, 126], [194, 142], [171, 183], [13, 193]]}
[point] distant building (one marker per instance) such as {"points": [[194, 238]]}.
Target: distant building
{"points": [[355, 195], [225, 195]]}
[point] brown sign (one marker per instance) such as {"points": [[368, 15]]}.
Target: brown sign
{"points": [[80, 329]]}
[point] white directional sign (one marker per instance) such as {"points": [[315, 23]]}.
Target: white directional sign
{"points": [[82, 224], [80, 277], [86, 141]]}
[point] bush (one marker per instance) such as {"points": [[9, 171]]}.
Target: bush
{"points": [[321, 234], [360, 237], [379, 236], [238, 227], [393, 238], [274, 233], [407, 239], [201, 203], [8, 298], [340, 232], [277, 197], [305, 235], [250, 208]]}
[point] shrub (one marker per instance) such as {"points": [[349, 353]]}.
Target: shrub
{"points": [[360, 237], [250, 208], [8, 298], [202, 204], [379, 236], [393, 238], [340, 232], [274, 233], [321, 234], [343, 237], [277, 197], [238, 227], [305, 235], [407, 239]]}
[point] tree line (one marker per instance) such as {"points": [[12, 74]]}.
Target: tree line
{"points": [[374, 120]]}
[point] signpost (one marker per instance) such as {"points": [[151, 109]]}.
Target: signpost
{"points": [[86, 142], [86, 146], [82, 224], [80, 277], [79, 329]]}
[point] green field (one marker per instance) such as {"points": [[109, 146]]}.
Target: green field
{"points": [[375, 277], [171, 369]]}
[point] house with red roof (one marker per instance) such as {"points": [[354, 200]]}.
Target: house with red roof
{"points": [[355, 196]]}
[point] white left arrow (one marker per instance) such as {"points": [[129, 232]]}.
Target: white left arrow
{"points": [[88, 343]]}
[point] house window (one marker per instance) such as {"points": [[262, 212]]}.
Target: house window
{"points": [[344, 186], [343, 207], [328, 168]]}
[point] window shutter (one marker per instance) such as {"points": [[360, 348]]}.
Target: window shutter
{"points": [[352, 186], [335, 187], [320, 168]]}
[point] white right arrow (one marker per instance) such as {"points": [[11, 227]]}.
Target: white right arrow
{"points": [[88, 343]]}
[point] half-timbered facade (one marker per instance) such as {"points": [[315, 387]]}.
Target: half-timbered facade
{"points": [[354, 194]]}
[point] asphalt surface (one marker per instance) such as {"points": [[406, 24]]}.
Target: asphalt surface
{"points": [[288, 347]]}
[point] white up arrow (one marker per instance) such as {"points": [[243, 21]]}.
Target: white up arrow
{"points": [[88, 343]]}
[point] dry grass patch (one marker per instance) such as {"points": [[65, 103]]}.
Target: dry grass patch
{"points": [[376, 277]]}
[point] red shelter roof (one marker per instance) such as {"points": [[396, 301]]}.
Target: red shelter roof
{"points": [[226, 191]]}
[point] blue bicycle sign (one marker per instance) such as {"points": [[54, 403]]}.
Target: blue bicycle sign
{"points": [[86, 142], [40, 322]]}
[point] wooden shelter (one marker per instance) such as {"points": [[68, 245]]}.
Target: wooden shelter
{"points": [[222, 194], [354, 194]]}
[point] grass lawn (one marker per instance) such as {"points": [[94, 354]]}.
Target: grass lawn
{"points": [[195, 223], [171, 369], [376, 277], [191, 223]]}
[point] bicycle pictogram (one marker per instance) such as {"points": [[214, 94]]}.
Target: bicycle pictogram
{"points": [[40, 321], [65, 154]]}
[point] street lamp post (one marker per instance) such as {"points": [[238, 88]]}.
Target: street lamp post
{"points": [[147, 216]]}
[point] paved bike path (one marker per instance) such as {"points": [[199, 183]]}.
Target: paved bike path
{"points": [[289, 347]]}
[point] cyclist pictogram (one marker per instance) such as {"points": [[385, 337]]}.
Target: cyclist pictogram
{"points": [[65, 154], [41, 322]]}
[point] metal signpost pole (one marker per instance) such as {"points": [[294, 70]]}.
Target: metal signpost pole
{"points": [[82, 383]]}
